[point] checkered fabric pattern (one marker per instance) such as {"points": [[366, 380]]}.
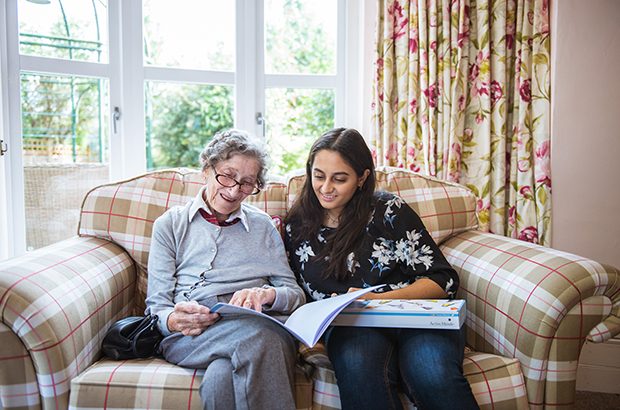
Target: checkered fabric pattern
{"points": [[535, 304], [529, 308], [56, 304], [18, 379], [151, 384], [496, 382]]}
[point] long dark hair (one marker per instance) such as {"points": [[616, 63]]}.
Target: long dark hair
{"points": [[307, 213]]}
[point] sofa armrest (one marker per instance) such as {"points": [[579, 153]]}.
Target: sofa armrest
{"points": [[536, 304], [56, 304]]}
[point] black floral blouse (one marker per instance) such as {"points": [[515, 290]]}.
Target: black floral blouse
{"points": [[397, 250]]}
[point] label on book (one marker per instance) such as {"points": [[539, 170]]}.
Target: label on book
{"points": [[411, 313]]}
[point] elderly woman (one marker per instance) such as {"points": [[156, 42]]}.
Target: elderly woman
{"points": [[218, 249]]}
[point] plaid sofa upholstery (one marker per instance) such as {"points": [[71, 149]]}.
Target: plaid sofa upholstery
{"points": [[530, 308]]}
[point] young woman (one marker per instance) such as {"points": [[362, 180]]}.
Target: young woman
{"points": [[342, 235]]}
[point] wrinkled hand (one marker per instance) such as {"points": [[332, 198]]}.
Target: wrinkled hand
{"points": [[191, 318], [253, 298]]}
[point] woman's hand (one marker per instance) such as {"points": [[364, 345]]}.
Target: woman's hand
{"points": [[370, 295], [253, 298], [191, 318], [422, 288]]}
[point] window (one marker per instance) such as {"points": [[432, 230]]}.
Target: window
{"points": [[63, 101], [301, 67], [91, 84], [67, 29]]}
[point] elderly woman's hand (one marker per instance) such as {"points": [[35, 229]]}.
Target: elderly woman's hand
{"points": [[191, 318], [253, 298]]}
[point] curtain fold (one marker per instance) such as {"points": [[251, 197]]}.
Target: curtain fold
{"points": [[461, 92]]}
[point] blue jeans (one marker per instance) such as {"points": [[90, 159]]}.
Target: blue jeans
{"points": [[373, 364]]}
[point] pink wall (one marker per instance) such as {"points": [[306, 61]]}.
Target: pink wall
{"points": [[586, 128]]}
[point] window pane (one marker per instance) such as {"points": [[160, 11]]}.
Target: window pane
{"points": [[65, 151], [295, 118], [196, 34], [69, 29], [181, 119], [300, 36]]}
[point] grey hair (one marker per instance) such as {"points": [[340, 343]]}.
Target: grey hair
{"points": [[227, 143]]}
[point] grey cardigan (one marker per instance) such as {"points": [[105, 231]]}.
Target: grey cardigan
{"points": [[192, 259]]}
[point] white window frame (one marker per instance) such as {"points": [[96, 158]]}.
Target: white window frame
{"points": [[6, 228], [126, 74], [16, 64]]}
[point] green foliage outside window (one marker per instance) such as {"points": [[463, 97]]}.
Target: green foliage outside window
{"points": [[188, 117], [296, 117], [62, 116]]}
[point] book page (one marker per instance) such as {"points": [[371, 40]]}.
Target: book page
{"points": [[225, 309], [312, 319], [308, 322]]}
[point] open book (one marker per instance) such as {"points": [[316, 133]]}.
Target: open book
{"points": [[309, 322]]}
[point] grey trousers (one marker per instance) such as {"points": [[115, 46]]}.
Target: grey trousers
{"points": [[249, 363]]}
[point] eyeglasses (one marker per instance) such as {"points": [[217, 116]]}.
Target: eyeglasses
{"points": [[229, 182]]}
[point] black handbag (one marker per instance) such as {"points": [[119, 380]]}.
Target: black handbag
{"points": [[134, 337]]}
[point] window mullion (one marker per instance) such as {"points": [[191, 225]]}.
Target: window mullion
{"points": [[47, 65], [16, 207], [341, 47], [301, 81], [259, 44], [187, 76], [248, 66], [6, 224], [131, 137], [116, 90]]}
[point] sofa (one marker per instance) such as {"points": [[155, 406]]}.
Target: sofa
{"points": [[529, 308]]}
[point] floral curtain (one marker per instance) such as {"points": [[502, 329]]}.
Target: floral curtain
{"points": [[462, 93]]}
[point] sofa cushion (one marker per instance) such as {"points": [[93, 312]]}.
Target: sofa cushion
{"points": [[497, 383], [445, 208], [151, 383]]}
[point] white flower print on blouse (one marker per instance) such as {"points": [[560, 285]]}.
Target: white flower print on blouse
{"points": [[352, 264], [320, 236], [304, 251], [394, 201], [382, 255], [407, 251], [399, 285], [314, 294], [414, 237], [389, 216], [448, 289], [423, 255]]}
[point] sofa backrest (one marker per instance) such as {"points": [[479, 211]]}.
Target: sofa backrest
{"points": [[123, 212], [444, 207]]}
